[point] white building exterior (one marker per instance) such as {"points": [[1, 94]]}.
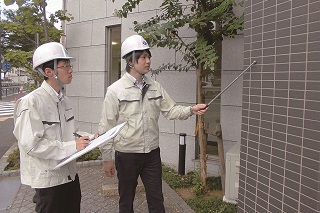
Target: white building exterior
{"points": [[89, 41]]}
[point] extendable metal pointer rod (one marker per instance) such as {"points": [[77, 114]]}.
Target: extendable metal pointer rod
{"points": [[254, 62]]}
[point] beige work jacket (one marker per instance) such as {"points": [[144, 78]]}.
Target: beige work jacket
{"points": [[44, 128], [125, 102]]}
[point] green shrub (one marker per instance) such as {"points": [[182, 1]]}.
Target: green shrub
{"points": [[13, 160], [192, 179], [176, 181], [214, 183], [94, 154], [200, 205]]}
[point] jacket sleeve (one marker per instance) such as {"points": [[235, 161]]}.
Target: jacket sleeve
{"points": [[109, 117], [29, 131], [171, 110]]}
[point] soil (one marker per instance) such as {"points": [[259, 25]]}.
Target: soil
{"points": [[187, 193]]}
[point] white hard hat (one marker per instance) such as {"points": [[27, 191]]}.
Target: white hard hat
{"points": [[132, 43], [48, 52]]}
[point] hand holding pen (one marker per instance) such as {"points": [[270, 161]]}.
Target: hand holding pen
{"points": [[81, 141]]}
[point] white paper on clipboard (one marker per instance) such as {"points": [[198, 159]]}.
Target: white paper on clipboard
{"points": [[113, 132]]}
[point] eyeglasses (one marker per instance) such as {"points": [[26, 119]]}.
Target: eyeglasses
{"points": [[66, 67]]}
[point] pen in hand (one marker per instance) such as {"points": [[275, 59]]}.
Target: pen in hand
{"points": [[91, 137], [77, 135]]}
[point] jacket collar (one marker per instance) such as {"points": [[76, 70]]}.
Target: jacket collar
{"points": [[128, 83], [50, 91]]}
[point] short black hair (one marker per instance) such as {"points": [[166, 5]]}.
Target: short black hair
{"points": [[50, 64], [137, 55]]}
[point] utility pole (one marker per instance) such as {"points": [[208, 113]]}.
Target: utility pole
{"points": [[63, 24]]}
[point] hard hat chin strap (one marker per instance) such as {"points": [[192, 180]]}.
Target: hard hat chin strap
{"points": [[55, 65], [132, 66]]}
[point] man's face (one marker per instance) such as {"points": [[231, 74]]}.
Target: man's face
{"points": [[64, 69], [144, 62]]}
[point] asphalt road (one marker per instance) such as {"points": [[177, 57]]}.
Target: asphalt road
{"points": [[7, 138]]}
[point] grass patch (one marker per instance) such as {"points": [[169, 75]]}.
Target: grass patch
{"points": [[190, 188], [204, 205], [94, 154], [14, 158]]}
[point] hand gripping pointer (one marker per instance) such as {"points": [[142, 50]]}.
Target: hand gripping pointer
{"points": [[254, 62]]}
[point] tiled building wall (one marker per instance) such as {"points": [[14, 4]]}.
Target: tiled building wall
{"points": [[280, 134]]}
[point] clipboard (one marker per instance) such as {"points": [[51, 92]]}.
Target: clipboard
{"points": [[110, 134]]}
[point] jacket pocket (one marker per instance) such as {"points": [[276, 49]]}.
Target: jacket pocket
{"points": [[129, 105], [68, 115], [51, 124]]}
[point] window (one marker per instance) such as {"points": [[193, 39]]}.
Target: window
{"points": [[113, 54]]}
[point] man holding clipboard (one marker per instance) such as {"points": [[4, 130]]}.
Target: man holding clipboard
{"points": [[44, 127]]}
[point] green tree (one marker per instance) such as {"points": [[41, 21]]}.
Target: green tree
{"points": [[212, 20], [24, 29]]}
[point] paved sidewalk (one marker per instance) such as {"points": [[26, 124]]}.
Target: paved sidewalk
{"points": [[92, 178]]}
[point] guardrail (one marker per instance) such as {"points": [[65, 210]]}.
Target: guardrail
{"points": [[10, 89]]}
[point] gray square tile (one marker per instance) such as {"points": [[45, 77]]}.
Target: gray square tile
{"points": [[296, 94], [294, 131], [275, 205], [298, 66], [293, 176], [297, 122], [292, 139], [298, 113], [311, 144], [263, 180], [308, 201], [294, 149], [291, 184], [312, 193], [313, 135], [298, 48], [293, 158], [309, 163], [290, 205], [293, 167], [264, 148], [300, 11], [312, 37], [283, 15]]}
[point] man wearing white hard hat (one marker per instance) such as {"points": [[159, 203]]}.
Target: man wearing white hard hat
{"points": [[44, 127], [138, 100]]}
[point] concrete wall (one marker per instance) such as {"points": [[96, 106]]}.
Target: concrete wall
{"points": [[280, 149]]}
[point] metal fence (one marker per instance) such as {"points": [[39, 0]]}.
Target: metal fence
{"points": [[10, 89]]}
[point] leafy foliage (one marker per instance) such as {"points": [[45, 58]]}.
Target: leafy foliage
{"points": [[200, 205], [94, 154], [13, 160], [210, 20], [176, 181], [23, 30], [192, 179]]}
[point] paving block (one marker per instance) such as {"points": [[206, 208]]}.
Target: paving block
{"points": [[112, 189]]}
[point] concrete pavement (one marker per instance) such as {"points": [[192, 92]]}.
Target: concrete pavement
{"points": [[98, 192]]}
